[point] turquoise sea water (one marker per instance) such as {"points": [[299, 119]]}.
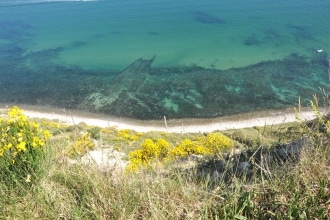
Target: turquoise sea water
{"points": [[73, 54]]}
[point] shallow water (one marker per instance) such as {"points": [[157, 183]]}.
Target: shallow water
{"points": [[211, 58]]}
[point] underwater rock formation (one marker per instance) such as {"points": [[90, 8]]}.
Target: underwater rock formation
{"points": [[121, 93], [140, 91], [143, 92]]}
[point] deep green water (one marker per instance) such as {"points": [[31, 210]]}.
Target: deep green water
{"points": [[211, 58]]}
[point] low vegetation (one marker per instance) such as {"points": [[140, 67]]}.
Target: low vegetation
{"points": [[163, 179], [21, 150], [160, 150]]}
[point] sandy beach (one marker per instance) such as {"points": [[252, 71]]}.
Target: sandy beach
{"points": [[109, 159], [262, 118]]}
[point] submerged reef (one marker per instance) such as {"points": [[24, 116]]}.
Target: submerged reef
{"points": [[142, 92]]}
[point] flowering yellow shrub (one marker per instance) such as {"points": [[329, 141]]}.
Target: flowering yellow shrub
{"points": [[186, 148], [21, 146], [55, 127], [151, 151], [82, 145], [108, 130], [53, 124], [161, 150], [127, 135], [216, 142]]}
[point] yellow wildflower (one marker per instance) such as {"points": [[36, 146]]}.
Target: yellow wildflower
{"points": [[35, 141], [8, 146], [21, 146], [20, 137], [28, 178], [14, 112], [34, 125], [47, 134]]}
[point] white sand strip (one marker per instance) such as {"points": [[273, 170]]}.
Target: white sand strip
{"points": [[185, 127]]}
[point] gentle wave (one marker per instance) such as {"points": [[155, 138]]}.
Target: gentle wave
{"points": [[13, 3]]}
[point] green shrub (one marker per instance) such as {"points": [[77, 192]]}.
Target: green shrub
{"points": [[95, 132]]}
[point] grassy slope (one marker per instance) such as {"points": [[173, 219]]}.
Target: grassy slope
{"points": [[67, 191]]}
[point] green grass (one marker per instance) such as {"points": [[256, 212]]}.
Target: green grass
{"points": [[77, 191]]}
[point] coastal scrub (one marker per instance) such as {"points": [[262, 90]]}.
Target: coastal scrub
{"points": [[160, 150], [21, 148]]}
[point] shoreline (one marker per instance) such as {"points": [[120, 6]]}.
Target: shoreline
{"points": [[239, 121]]}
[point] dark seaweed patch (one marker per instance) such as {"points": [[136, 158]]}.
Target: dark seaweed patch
{"points": [[78, 43], [252, 40], [116, 32], [300, 33], [153, 33], [206, 18], [266, 36], [15, 34], [14, 30], [11, 50], [47, 53], [296, 27]]}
